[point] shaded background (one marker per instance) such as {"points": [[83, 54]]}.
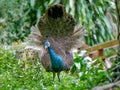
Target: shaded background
{"points": [[98, 17]]}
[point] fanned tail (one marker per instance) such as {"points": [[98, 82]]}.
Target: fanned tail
{"points": [[35, 38]]}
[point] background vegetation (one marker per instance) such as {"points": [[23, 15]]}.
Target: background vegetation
{"points": [[26, 73], [17, 16], [98, 18]]}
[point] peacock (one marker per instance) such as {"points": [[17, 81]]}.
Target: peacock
{"points": [[57, 64], [58, 31]]}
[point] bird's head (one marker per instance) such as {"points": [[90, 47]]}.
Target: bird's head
{"points": [[47, 44]]}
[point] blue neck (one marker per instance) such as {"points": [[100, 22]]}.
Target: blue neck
{"points": [[56, 61], [52, 53]]}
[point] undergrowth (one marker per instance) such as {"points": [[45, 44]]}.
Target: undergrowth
{"points": [[18, 74]]}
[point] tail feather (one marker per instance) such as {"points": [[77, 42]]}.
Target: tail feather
{"points": [[35, 38]]}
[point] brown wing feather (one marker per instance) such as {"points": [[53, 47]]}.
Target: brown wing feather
{"points": [[69, 61], [45, 60]]}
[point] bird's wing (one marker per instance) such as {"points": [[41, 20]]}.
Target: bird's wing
{"points": [[68, 61], [45, 60]]}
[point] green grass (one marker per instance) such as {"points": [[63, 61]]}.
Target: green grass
{"points": [[18, 74], [15, 76]]}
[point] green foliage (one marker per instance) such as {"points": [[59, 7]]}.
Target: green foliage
{"points": [[16, 17], [14, 75], [17, 73], [96, 16], [116, 68], [93, 73]]}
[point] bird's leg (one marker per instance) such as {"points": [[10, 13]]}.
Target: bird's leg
{"points": [[53, 76], [58, 75]]}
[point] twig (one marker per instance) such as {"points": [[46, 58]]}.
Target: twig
{"points": [[107, 87]]}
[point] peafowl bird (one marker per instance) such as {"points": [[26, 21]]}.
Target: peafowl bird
{"points": [[57, 62], [64, 35]]}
